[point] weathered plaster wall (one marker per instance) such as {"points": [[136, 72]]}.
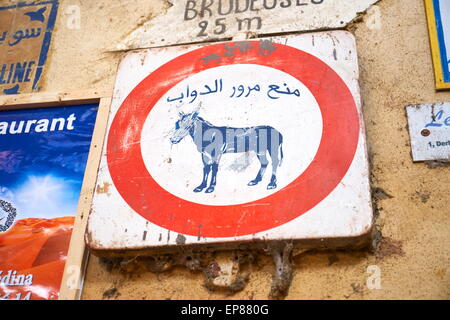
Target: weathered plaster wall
{"points": [[396, 70], [83, 58]]}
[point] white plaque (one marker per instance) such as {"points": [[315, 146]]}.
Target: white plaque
{"points": [[429, 129]]}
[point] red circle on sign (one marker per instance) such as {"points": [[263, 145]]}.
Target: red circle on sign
{"points": [[332, 161]]}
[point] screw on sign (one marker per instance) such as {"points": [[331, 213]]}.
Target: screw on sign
{"points": [[234, 140]]}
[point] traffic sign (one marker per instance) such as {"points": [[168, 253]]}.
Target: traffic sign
{"points": [[236, 141]]}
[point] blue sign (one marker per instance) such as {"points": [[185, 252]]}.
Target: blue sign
{"points": [[43, 154], [438, 12], [443, 28], [25, 36]]}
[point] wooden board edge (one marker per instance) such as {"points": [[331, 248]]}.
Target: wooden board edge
{"points": [[51, 99], [359, 242], [441, 85], [77, 257]]}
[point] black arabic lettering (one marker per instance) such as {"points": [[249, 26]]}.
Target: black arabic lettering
{"points": [[175, 99], [276, 88], [194, 94], [3, 37], [19, 35], [242, 90], [218, 85], [255, 88]]}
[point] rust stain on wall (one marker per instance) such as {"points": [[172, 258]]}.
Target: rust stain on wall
{"points": [[389, 247], [103, 189]]}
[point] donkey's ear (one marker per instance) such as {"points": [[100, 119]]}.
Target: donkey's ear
{"points": [[181, 114], [194, 114]]}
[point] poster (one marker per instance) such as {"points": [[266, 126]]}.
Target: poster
{"points": [[43, 154]]}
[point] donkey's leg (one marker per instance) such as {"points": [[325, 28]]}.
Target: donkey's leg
{"points": [[212, 185], [264, 162], [206, 170], [275, 162]]}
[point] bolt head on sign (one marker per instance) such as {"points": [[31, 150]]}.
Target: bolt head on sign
{"points": [[235, 141]]}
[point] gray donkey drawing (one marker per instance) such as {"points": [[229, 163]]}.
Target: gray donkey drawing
{"points": [[213, 141]]}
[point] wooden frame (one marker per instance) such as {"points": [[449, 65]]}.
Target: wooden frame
{"points": [[77, 256], [436, 50]]}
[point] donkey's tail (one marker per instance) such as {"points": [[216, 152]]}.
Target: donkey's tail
{"points": [[280, 154]]}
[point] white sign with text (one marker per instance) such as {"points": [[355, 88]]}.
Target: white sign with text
{"points": [[194, 21], [429, 129]]}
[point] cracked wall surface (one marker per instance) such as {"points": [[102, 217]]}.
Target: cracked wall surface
{"points": [[412, 254]]}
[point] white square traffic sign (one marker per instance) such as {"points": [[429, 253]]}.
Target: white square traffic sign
{"points": [[234, 142]]}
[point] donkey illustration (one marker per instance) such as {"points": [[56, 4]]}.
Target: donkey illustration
{"points": [[213, 141]]}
